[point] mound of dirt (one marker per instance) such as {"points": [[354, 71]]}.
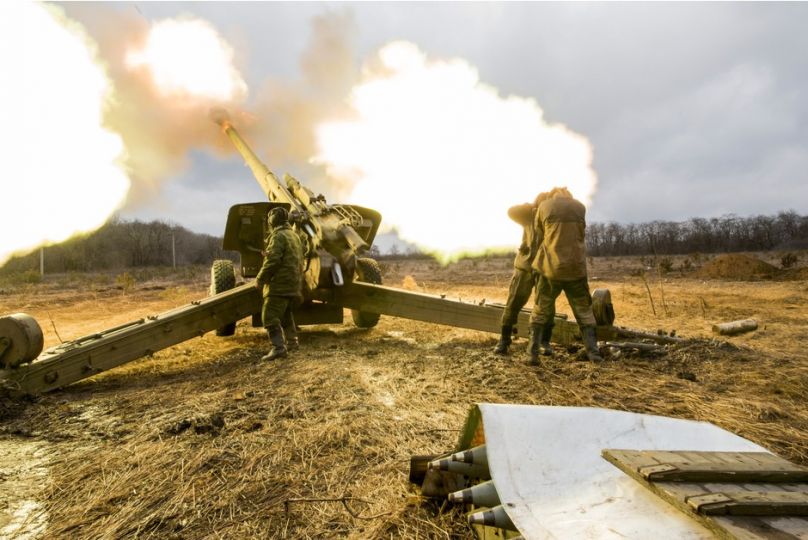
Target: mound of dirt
{"points": [[736, 266]]}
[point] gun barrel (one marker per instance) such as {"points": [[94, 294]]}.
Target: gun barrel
{"points": [[274, 190], [331, 227]]}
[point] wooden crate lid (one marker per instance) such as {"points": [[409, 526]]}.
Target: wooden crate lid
{"points": [[743, 495]]}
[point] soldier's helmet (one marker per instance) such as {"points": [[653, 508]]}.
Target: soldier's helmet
{"points": [[278, 216]]}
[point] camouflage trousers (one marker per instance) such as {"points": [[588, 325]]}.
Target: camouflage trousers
{"points": [[577, 292], [519, 291], [278, 310]]}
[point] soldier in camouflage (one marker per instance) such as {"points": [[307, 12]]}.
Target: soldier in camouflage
{"points": [[524, 275], [280, 279], [561, 262]]}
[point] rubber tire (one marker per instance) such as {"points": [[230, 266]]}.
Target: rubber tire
{"points": [[223, 278], [367, 270], [602, 307], [23, 340]]}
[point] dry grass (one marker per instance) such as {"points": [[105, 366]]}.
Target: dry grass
{"points": [[205, 441]]}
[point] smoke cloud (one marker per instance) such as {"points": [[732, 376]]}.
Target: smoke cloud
{"points": [[158, 124], [60, 170], [443, 155], [279, 119], [403, 133], [286, 115]]}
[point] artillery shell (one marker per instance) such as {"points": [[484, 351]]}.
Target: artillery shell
{"points": [[484, 494]]}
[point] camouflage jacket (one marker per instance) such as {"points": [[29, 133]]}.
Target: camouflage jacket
{"points": [[560, 225], [282, 271], [523, 214]]}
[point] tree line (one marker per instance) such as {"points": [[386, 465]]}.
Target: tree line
{"points": [[131, 244], [125, 244], [728, 233]]}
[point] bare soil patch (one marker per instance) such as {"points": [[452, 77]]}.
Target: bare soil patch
{"points": [[203, 440], [736, 266]]}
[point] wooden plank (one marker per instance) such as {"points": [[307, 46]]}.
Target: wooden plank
{"points": [[678, 494], [688, 466], [713, 472], [740, 527], [755, 528], [749, 503]]}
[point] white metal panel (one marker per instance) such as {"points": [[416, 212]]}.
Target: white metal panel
{"points": [[547, 466]]}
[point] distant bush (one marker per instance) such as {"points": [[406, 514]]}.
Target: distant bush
{"points": [[125, 281], [788, 260], [25, 277], [144, 274], [665, 265], [687, 265], [29, 276]]}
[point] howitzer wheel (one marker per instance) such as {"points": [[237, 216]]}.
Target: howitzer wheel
{"points": [[602, 307], [223, 278], [21, 340], [367, 270]]}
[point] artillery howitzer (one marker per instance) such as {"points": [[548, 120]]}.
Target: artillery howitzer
{"points": [[337, 276], [335, 236]]}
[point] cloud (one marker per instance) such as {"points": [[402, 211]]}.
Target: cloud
{"points": [[726, 146]]}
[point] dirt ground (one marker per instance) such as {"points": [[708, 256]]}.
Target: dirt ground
{"points": [[203, 440]]}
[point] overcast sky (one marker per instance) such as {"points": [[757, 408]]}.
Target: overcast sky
{"points": [[692, 109]]}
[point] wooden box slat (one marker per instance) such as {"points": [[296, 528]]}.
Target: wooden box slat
{"points": [[713, 466], [775, 507], [750, 503]]}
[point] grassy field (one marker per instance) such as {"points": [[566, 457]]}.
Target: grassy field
{"points": [[203, 440]]}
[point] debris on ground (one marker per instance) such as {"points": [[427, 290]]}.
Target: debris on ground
{"points": [[734, 328]]}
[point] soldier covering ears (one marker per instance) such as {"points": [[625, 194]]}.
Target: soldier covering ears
{"points": [[561, 263]]}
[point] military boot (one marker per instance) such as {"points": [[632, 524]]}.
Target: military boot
{"points": [[536, 332], [544, 346], [591, 343], [276, 339], [292, 343], [504, 340]]}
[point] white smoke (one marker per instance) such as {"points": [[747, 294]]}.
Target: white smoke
{"points": [[61, 174], [443, 155]]}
